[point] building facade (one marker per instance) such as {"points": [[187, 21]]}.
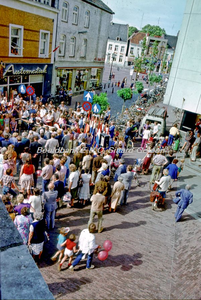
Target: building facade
{"points": [[117, 44], [82, 34], [134, 48], [28, 31]]}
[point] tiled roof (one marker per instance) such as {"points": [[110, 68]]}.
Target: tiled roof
{"points": [[100, 4], [135, 38]]}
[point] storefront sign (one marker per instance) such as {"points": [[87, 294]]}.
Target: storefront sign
{"points": [[11, 71]]}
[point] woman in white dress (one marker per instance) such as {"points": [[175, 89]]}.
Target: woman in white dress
{"points": [[84, 193], [116, 193]]}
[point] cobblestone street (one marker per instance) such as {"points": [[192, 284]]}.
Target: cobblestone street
{"points": [[152, 256]]}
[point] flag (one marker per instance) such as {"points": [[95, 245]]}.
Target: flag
{"points": [[55, 49]]}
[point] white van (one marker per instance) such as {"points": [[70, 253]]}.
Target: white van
{"points": [[155, 114]]}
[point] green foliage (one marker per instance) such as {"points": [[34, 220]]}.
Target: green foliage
{"points": [[138, 62], [154, 78], [155, 49], [153, 30], [102, 100], [125, 93], [131, 30], [144, 45], [139, 87]]}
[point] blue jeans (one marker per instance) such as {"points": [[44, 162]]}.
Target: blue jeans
{"points": [[7, 190], [45, 183], [170, 140], [79, 257], [50, 211], [124, 197]]}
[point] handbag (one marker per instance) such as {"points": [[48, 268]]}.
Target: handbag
{"points": [[67, 197], [80, 182], [155, 186]]}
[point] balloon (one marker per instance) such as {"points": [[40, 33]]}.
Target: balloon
{"points": [[107, 245], [102, 255], [38, 172]]}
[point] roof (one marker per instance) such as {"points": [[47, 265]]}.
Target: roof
{"points": [[118, 30], [172, 40], [100, 4], [135, 38]]}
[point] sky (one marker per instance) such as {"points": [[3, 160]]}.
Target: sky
{"points": [[168, 14]]}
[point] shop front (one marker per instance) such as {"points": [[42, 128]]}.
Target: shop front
{"points": [[37, 75], [79, 79]]}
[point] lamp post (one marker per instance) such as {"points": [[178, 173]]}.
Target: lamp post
{"points": [[113, 57]]}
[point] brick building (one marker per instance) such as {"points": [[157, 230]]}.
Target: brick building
{"points": [[28, 31]]}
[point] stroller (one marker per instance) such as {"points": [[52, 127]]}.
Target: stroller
{"points": [[155, 198]]}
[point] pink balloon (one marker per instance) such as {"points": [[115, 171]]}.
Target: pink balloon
{"points": [[107, 245], [38, 172], [102, 255]]}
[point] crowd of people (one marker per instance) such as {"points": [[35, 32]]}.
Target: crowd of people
{"points": [[55, 155]]}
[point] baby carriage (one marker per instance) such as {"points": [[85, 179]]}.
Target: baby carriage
{"points": [[155, 198]]}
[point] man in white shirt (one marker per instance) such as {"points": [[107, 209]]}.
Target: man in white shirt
{"points": [[51, 145], [87, 245]]}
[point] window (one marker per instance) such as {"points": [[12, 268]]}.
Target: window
{"points": [[121, 58], [122, 49], [87, 19], [75, 15], [118, 38], [64, 13], [16, 40], [72, 46], [116, 48], [83, 48], [110, 47], [132, 50], [62, 45], [44, 43], [114, 57]]}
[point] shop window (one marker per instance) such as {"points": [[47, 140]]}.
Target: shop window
{"points": [[116, 48], [81, 80], [122, 49], [25, 78], [16, 40], [83, 48], [87, 19], [75, 15], [121, 58], [72, 46], [110, 47], [15, 79], [44, 43], [64, 13], [62, 45]]}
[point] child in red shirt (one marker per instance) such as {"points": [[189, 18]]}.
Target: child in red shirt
{"points": [[69, 251]]}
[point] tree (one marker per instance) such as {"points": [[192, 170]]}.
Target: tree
{"points": [[153, 30], [102, 100], [139, 87], [154, 78], [132, 30], [125, 93], [144, 46]]}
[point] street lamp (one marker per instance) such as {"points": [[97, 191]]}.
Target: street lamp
{"points": [[113, 57]]}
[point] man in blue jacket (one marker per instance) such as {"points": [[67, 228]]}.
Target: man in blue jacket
{"points": [[183, 198]]}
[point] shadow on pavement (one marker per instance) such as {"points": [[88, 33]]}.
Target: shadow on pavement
{"points": [[125, 225], [124, 260], [67, 286]]}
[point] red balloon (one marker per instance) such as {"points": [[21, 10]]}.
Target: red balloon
{"points": [[102, 255], [38, 172], [107, 245]]}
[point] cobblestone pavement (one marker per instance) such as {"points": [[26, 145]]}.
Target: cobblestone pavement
{"points": [[152, 256]]}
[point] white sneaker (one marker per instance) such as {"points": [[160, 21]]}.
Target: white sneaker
{"points": [[71, 268]]}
